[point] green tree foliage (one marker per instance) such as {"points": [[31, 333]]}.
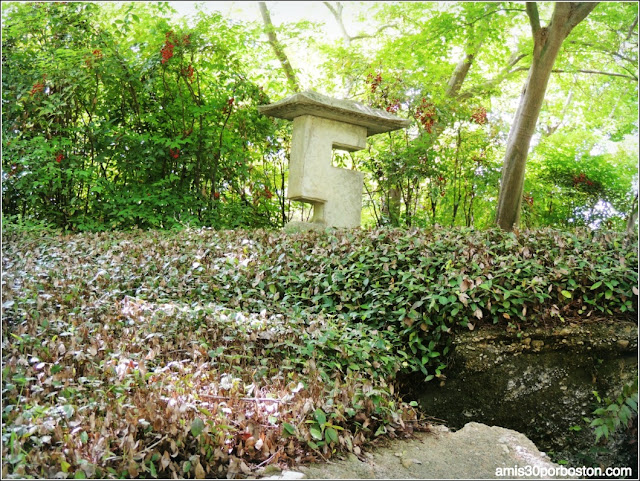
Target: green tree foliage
{"points": [[444, 64], [116, 117], [572, 182]]}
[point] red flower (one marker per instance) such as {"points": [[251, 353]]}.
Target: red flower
{"points": [[174, 153], [59, 158]]}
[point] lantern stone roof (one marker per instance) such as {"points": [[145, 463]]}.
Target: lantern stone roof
{"points": [[376, 121]]}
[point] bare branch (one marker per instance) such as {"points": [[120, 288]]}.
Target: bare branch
{"points": [[277, 47], [599, 48], [632, 28], [594, 72], [495, 81], [377, 32], [598, 72], [494, 11], [515, 58], [462, 69], [337, 13], [534, 17]]}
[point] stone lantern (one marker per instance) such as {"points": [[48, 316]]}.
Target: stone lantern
{"points": [[321, 124]]}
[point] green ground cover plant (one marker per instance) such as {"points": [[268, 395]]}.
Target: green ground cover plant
{"points": [[199, 352]]}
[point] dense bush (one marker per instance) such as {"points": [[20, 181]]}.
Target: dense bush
{"points": [[137, 122], [211, 352], [419, 286]]}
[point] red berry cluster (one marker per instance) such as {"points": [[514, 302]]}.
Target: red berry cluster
{"points": [[227, 108], [528, 199], [375, 81], [258, 191], [97, 55], [381, 100], [582, 179], [188, 71], [426, 114], [167, 48], [174, 153], [394, 107], [171, 40], [37, 87], [440, 181], [479, 116], [59, 157]]}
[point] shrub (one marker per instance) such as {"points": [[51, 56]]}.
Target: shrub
{"points": [[202, 352]]}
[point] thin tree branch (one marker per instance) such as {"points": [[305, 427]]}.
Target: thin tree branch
{"points": [[631, 29], [337, 13], [377, 32], [492, 83], [494, 11], [277, 47], [600, 49], [595, 72], [462, 69], [515, 59]]}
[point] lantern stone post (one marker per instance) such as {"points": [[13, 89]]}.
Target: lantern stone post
{"points": [[320, 124]]}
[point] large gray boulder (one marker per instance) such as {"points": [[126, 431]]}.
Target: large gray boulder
{"points": [[477, 451]]}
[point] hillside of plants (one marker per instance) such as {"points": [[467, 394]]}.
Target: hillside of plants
{"points": [[211, 353], [129, 115], [158, 322]]}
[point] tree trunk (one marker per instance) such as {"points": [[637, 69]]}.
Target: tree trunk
{"points": [[462, 69], [547, 43], [632, 219], [392, 208], [277, 47]]}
